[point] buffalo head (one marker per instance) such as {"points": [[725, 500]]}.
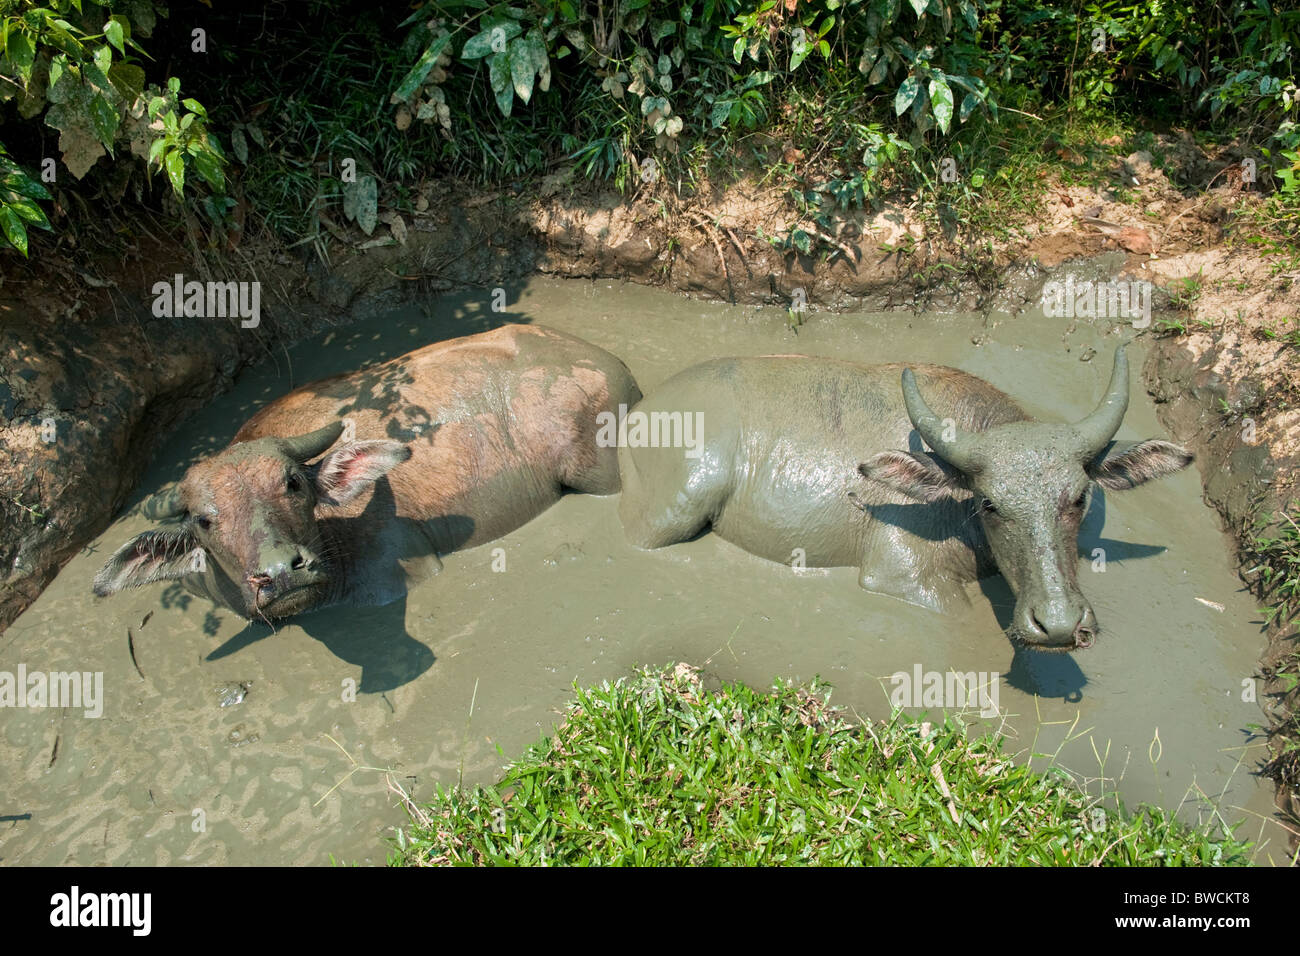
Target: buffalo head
{"points": [[1029, 485], [248, 522]]}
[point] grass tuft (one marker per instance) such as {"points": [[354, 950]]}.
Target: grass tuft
{"points": [[657, 770]]}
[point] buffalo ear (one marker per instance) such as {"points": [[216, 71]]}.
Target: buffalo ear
{"points": [[346, 472], [1128, 465], [919, 477], [148, 557]]}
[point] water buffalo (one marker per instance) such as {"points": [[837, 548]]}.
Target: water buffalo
{"points": [[446, 447], [778, 473]]}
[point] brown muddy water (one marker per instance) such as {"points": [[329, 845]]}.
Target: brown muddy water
{"points": [[476, 663]]}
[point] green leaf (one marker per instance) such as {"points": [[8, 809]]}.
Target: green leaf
{"points": [[799, 48], [30, 211], [367, 203], [541, 60], [492, 39], [98, 81], [350, 201], [239, 144], [918, 6], [174, 84], [104, 119], [941, 102], [870, 54], [56, 34], [17, 181], [174, 163], [209, 167], [411, 82], [57, 67], [103, 58], [879, 71], [522, 70], [720, 112], [968, 105], [21, 53], [14, 229], [968, 11], [499, 77], [116, 30], [906, 93], [194, 106], [127, 79]]}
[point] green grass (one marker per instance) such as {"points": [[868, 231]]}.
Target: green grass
{"points": [[1277, 546], [657, 770]]}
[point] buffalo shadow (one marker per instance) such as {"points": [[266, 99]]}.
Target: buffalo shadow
{"points": [[374, 636]]}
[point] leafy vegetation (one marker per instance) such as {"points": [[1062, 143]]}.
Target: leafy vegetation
{"points": [[1277, 548], [867, 98], [657, 770], [76, 66], [1279, 562]]}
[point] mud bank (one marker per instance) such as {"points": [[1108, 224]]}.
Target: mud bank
{"points": [[1221, 414]]}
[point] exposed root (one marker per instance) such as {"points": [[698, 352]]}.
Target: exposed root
{"points": [[710, 231]]}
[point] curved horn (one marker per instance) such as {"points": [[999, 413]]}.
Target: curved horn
{"points": [[957, 452], [1099, 428], [304, 447], [165, 504]]}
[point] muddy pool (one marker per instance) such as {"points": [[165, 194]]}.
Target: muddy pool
{"points": [[475, 664]]}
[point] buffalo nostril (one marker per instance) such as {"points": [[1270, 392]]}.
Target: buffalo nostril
{"points": [[1038, 625], [1057, 626], [1084, 636]]}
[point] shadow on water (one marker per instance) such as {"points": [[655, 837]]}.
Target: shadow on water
{"points": [[372, 638], [1050, 674]]}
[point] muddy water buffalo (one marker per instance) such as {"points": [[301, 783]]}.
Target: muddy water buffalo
{"points": [[778, 473], [446, 447]]}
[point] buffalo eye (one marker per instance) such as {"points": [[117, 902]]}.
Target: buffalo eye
{"points": [[987, 507], [1079, 501], [295, 484], [204, 522]]}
